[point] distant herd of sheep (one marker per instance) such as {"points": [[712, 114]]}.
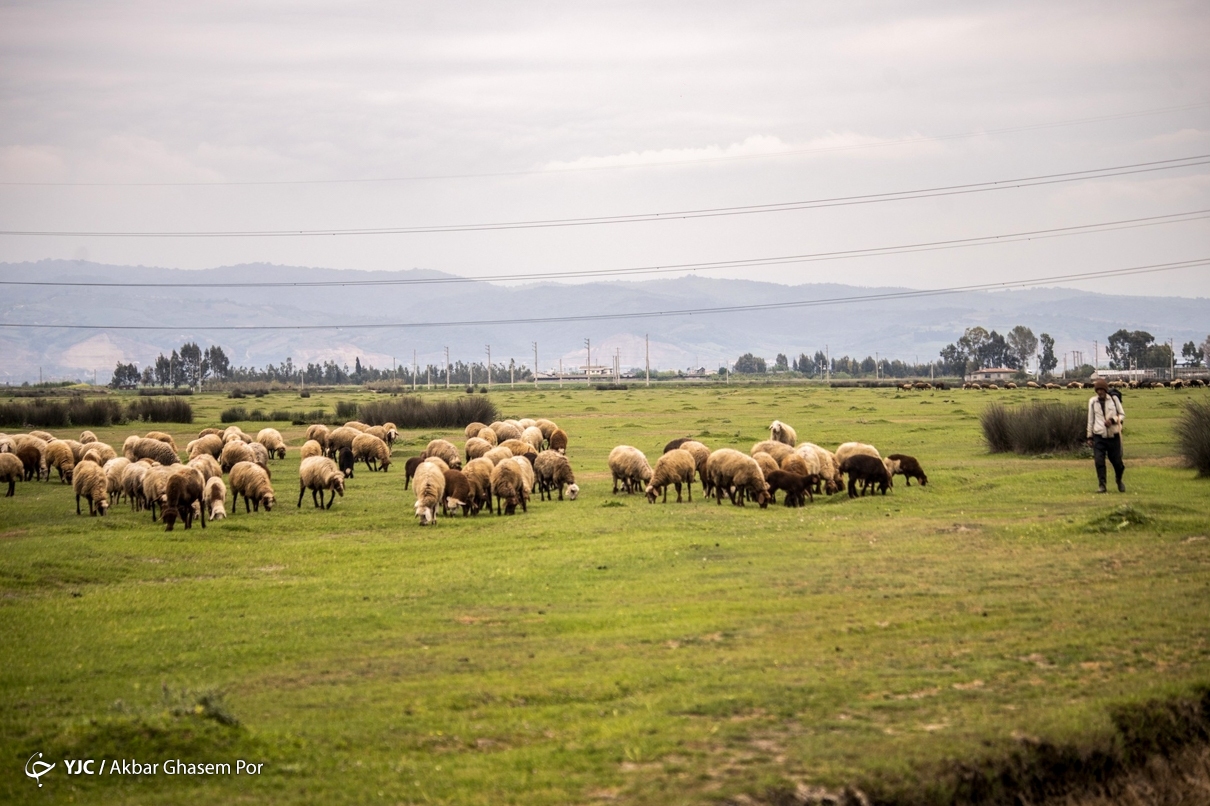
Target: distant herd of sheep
{"points": [[506, 461]]}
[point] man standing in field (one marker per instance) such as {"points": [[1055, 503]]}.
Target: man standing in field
{"points": [[1105, 416]]}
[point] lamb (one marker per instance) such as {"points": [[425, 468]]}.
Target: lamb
{"points": [[437, 460], [558, 440], [260, 454], [528, 477], [737, 475], [866, 469], [32, 454], [909, 468], [488, 436], [676, 467], [473, 429], [311, 448], [136, 448], [766, 462], [207, 465], [429, 487], [319, 433], [553, 472], [478, 474], [498, 454], [518, 447], [533, 435], [444, 449], [89, 481], [114, 469], [233, 453], [780, 432], [341, 438], [547, 427], [162, 437], [629, 466], [797, 487], [214, 494], [273, 442], [319, 473], [346, 462], [508, 485], [210, 444], [184, 490], [457, 493], [373, 451], [476, 447], [155, 488], [12, 470], [87, 436], [102, 452], [132, 483], [59, 456], [252, 482], [777, 450], [409, 469], [506, 430]]}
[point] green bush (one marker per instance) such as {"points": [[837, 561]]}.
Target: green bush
{"points": [[235, 414], [346, 409], [1193, 436], [160, 410], [61, 413], [1034, 427], [413, 412]]}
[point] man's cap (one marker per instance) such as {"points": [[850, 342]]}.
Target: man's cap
{"points": [[1101, 384]]}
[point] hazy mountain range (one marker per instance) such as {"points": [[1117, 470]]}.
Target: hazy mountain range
{"points": [[438, 315]]}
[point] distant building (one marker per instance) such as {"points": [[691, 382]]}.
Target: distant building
{"points": [[992, 374]]}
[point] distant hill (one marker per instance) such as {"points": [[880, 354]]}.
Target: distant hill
{"points": [[908, 329]]}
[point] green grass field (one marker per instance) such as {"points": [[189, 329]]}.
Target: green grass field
{"points": [[608, 650]]}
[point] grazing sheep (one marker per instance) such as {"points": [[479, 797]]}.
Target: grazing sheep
{"points": [[676, 467], [233, 453], [114, 469], [184, 490], [766, 462], [214, 493], [457, 493], [476, 447], [160, 436], [553, 472], [45, 436], [78, 448], [11, 470], [260, 454], [319, 473], [392, 433], [527, 422], [310, 448], [777, 450], [508, 485], [866, 469], [346, 462], [218, 432], [360, 426], [527, 473], [908, 467], [1075, 385], [518, 447], [252, 482], [211, 444], [155, 488], [341, 438], [59, 456], [780, 432], [533, 435], [629, 466], [207, 465], [319, 433], [445, 450], [700, 455], [100, 450], [89, 481], [132, 483], [437, 460], [498, 454], [506, 430], [796, 487], [32, 453], [373, 451], [1010, 385], [429, 487], [851, 448], [478, 474], [272, 440], [87, 436], [378, 431], [409, 469], [558, 440], [488, 436], [473, 429], [136, 448], [676, 443], [1033, 385], [737, 475], [234, 432], [796, 463], [547, 427]]}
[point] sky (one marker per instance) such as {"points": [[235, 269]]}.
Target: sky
{"points": [[153, 117]]}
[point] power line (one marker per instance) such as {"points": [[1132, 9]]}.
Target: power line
{"points": [[927, 246], [712, 212], [890, 295], [666, 163]]}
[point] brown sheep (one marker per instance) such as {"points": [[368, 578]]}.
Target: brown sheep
{"points": [[676, 467], [866, 469], [558, 440], [909, 468], [553, 472], [457, 493], [508, 485], [185, 488], [796, 487]]}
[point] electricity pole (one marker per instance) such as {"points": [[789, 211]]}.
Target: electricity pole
{"points": [[447, 367], [489, 367], [414, 370], [588, 366], [647, 353], [535, 365]]}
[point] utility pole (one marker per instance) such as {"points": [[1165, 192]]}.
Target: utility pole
{"points": [[1096, 355], [535, 365], [447, 367], [414, 371], [875, 365], [617, 365], [560, 372], [647, 353], [827, 354], [429, 383], [512, 374], [588, 366], [489, 367]]}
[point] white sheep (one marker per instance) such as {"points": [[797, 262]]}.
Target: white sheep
{"points": [[89, 481], [780, 432], [252, 482], [12, 471], [553, 472], [476, 447], [777, 450], [629, 465], [311, 447], [737, 475], [319, 473], [272, 440], [533, 435], [446, 450], [137, 447], [208, 444], [373, 451], [429, 486], [676, 467], [215, 496]]}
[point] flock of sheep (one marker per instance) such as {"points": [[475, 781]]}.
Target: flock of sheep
{"points": [[505, 461]]}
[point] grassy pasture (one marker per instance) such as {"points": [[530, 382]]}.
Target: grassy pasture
{"points": [[607, 649]]}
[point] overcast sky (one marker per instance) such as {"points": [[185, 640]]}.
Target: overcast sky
{"points": [[490, 112]]}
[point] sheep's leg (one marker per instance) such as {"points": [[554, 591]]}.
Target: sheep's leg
{"points": [[247, 506], [77, 500], [524, 508], [12, 488], [330, 500], [689, 489], [301, 491]]}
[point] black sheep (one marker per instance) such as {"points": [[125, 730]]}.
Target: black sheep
{"points": [[797, 487], [866, 469], [910, 468], [676, 443], [345, 462]]}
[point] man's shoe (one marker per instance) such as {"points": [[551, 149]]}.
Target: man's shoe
{"points": [[1121, 486], [1102, 489]]}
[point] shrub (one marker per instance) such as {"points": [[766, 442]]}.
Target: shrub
{"points": [[40, 413], [153, 392], [160, 410], [346, 409], [408, 411], [236, 394], [304, 393], [235, 414], [1193, 436], [1034, 427]]}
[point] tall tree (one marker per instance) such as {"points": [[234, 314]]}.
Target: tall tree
{"points": [[781, 364], [1192, 354], [125, 376], [1023, 343], [748, 363], [215, 362], [1046, 359], [163, 369], [191, 364], [1129, 347]]}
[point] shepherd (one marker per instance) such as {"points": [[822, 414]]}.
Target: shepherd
{"points": [[1105, 418]]}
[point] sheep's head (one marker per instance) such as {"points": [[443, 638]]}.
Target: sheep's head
{"points": [[337, 483], [67, 474], [385, 463], [268, 501], [281, 452], [425, 514], [573, 491], [103, 505], [169, 517], [651, 493]]}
